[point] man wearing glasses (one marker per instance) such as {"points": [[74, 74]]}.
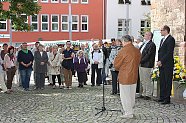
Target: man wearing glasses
{"points": [[166, 64]]}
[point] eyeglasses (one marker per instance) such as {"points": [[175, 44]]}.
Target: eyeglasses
{"points": [[162, 30]]}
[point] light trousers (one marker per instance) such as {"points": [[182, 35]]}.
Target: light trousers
{"points": [[2, 82], [145, 80], [68, 77], [127, 95]]}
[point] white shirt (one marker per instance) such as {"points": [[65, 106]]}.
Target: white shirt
{"points": [[95, 56], [145, 43], [41, 53]]}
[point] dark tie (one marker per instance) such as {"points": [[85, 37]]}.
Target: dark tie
{"points": [[161, 43]]}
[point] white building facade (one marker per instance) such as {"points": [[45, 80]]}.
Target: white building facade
{"points": [[116, 16]]}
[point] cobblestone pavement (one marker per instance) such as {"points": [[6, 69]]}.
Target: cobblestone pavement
{"points": [[78, 106]]}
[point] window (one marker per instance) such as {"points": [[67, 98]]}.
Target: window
{"points": [[84, 23], [54, 1], [55, 22], [145, 26], [44, 1], [64, 1], [84, 1], [122, 27], [75, 23], [25, 17], [65, 23], [3, 25], [145, 2], [124, 1], [34, 22], [74, 1], [44, 23]]}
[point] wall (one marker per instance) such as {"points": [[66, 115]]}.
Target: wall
{"points": [[117, 11]]}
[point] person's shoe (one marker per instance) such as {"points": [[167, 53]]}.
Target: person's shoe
{"points": [[92, 85], [160, 100], [165, 102], [7, 92], [54, 87], [50, 84], [60, 87], [127, 116], [85, 83], [140, 97], [42, 88], [113, 93], [36, 88], [147, 98], [98, 85]]}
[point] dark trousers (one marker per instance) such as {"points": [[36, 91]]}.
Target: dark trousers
{"points": [[82, 77], [10, 76], [98, 71], [114, 81], [40, 80], [54, 78], [138, 84], [166, 75]]}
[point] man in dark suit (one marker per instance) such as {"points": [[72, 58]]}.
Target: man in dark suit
{"points": [[166, 64], [148, 51]]}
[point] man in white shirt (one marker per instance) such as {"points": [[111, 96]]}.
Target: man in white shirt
{"points": [[148, 51], [96, 60]]}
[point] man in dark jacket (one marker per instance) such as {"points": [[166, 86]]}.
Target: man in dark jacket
{"points": [[166, 64], [148, 51], [25, 59]]}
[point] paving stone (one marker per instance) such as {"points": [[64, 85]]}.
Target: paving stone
{"points": [[78, 106]]}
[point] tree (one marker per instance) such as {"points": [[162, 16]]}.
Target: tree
{"points": [[16, 10]]}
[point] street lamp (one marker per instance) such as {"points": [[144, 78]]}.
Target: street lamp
{"points": [[10, 32], [70, 21], [127, 2]]}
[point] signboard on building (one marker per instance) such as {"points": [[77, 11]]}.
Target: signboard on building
{"points": [[4, 35]]}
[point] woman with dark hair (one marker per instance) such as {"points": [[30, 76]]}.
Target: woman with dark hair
{"points": [[10, 66]]}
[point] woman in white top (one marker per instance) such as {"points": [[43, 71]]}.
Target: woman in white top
{"points": [[10, 66], [55, 66]]}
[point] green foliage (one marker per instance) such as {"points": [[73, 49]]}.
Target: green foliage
{"points": [[16, 9]]}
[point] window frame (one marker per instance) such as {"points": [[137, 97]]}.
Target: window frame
{"points": [[123, 27], [35, 23], [44, 1], [74, 2], [55, 22], [84, 2], [84, 23], [44, 23], [75, 23], [54, 1], [65, 23], [145, 25], [5, 21], [64, 1]]}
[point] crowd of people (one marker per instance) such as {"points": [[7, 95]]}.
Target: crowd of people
{"points": [[130, 63]]}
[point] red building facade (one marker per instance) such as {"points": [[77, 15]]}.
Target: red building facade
{"points": [[53, 22]]}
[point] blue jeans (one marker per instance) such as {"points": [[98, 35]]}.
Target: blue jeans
{"points": [[25, 77]]}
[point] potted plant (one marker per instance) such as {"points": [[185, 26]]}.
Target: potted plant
{"points": [[156, 78], [178, 79]]}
